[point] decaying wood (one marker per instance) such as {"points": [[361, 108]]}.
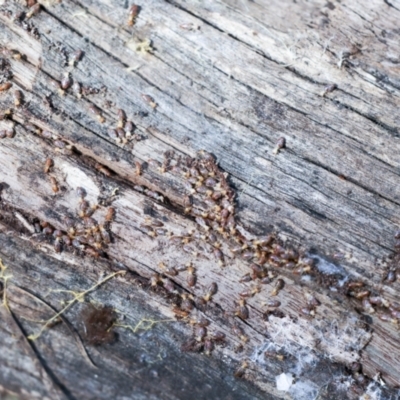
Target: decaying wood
{"points": [[231, 78]]}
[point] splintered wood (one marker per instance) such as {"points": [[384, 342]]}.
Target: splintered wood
{"points": [[243, 174]]}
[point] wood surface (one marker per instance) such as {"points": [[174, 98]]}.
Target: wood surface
{"points": [[228, 79]]}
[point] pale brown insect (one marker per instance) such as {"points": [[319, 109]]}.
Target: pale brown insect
{"points": [[329, 89], [280, 283], [273, 303], [239, 372], [57, 245], [54, 184], [96, 111], [138, 168], [200, 333], [250, 292], [75, 57], [242, 310], [33, 11], [149, 100], [66, 81], [18, 98], [187, 303], [211, 291], [208, 346], [180, 313], [110, 214], [9, 132], [77, 89], [132, 15], [121, 118], [272, 354], [47, 165], [5, 86], [91, 252], [104, 170], [192, 278]]}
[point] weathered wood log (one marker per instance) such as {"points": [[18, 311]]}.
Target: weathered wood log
{"points": [[251, 146]]}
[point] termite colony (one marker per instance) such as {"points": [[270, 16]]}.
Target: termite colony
{"points": [[84, 234], [210, 201]]}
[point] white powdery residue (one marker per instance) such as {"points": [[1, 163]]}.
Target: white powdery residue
{"points": [[304, 390], [326, 267], [284, 382], [74, 177], [299, 338]]}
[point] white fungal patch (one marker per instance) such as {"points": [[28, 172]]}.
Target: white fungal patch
{"points": [[339, 341], [284, 382], [74, 177]]}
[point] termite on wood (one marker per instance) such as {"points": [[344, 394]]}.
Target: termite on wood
{"points": [[121, 118], [96, 111], [75, 57], [18, 98], [138, 168], [54, 184], [133, 13], [329, 89], [110, 214], [280, 144], [33, 11], [104, 170], [149, 100], [66, 81], [5, 86], [47, 165], [280, 283]]}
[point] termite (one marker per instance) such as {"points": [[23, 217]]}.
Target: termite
{"points": [[77, 89], [96, 111], [329, 89], [33, 11], [47, 165], [208, 346], [148, 99], [75, 57], [280, 144], [133, 13], [18, 98], [211, 290], [280, 283], [5, 86], [110, 214], [138, 168], [121, 118], [192, 278], [66, 81], [104, 170], [242, 311], [54, 185], [241, 370]]}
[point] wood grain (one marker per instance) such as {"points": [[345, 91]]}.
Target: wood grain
{"points": [[229, 77]]}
